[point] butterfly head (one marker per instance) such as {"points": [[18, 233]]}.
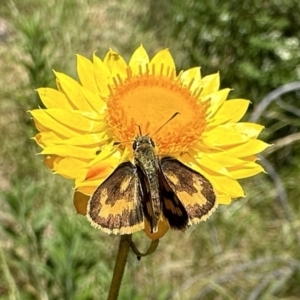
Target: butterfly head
{"points": [[144, 149], [142, 142]]}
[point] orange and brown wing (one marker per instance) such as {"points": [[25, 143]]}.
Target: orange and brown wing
{"points": [[115, 207], [194, 191], [172, 208]]}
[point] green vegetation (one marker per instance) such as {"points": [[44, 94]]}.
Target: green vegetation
{"points": [[248, 250]]}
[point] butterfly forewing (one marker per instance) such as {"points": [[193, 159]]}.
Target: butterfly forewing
{"points": [[116, 207], [194, 191]]}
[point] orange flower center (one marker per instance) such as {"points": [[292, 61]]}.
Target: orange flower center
{"points": [[147, 101]]}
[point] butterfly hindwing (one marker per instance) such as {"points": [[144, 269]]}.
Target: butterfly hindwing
{"points": [[193, 190], [116, 205]]}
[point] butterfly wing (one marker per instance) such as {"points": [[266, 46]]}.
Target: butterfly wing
{"points": [[115, 207], [172, 208], [193, 189]]}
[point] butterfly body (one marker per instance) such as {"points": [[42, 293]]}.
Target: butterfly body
{"points": [[153, 189], [147, 165]]}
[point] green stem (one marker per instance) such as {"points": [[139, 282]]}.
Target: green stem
{"points": [[153, 246], [119, 267]]}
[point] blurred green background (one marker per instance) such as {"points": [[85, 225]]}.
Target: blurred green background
{"points": [[248, 250]]}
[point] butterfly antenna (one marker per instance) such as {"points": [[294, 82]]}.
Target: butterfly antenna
{"points": [[172, 117], [140, 131], [123, 142]]}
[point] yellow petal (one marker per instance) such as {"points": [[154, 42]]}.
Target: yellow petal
{"points": [[54, 99], [72, 90], [116, 64], [231, 111], [245, 170], [221, 136], [196, 163], [139, 60], [80, 202], [224, 184], [86, 189], [66, 122], [219, 177], [224, 159], [210, 84], [247, 149], [44, 122], [223, 198], [69, 167], [107, 152], [164, 63], [214, 166], [88, 185], [93, 139], [44, 139], [238, 168], [85, 70], [51, 161], [252, 130], [102, 76], [252, 158], [94, 99], [99, 171], [191, 76], [71, 151], [217, 99]]}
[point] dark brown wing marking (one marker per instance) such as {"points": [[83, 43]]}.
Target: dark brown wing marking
{"points": [[193, 189], [172, 207], [116, 206]]}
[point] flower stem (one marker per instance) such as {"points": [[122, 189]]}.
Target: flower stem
{"points": [[121, 260]]}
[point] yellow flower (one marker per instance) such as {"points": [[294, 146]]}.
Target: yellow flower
{"points": [[83, 121]]}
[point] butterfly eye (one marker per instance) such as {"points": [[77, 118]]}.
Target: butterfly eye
{"points": [[134, 145]]}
